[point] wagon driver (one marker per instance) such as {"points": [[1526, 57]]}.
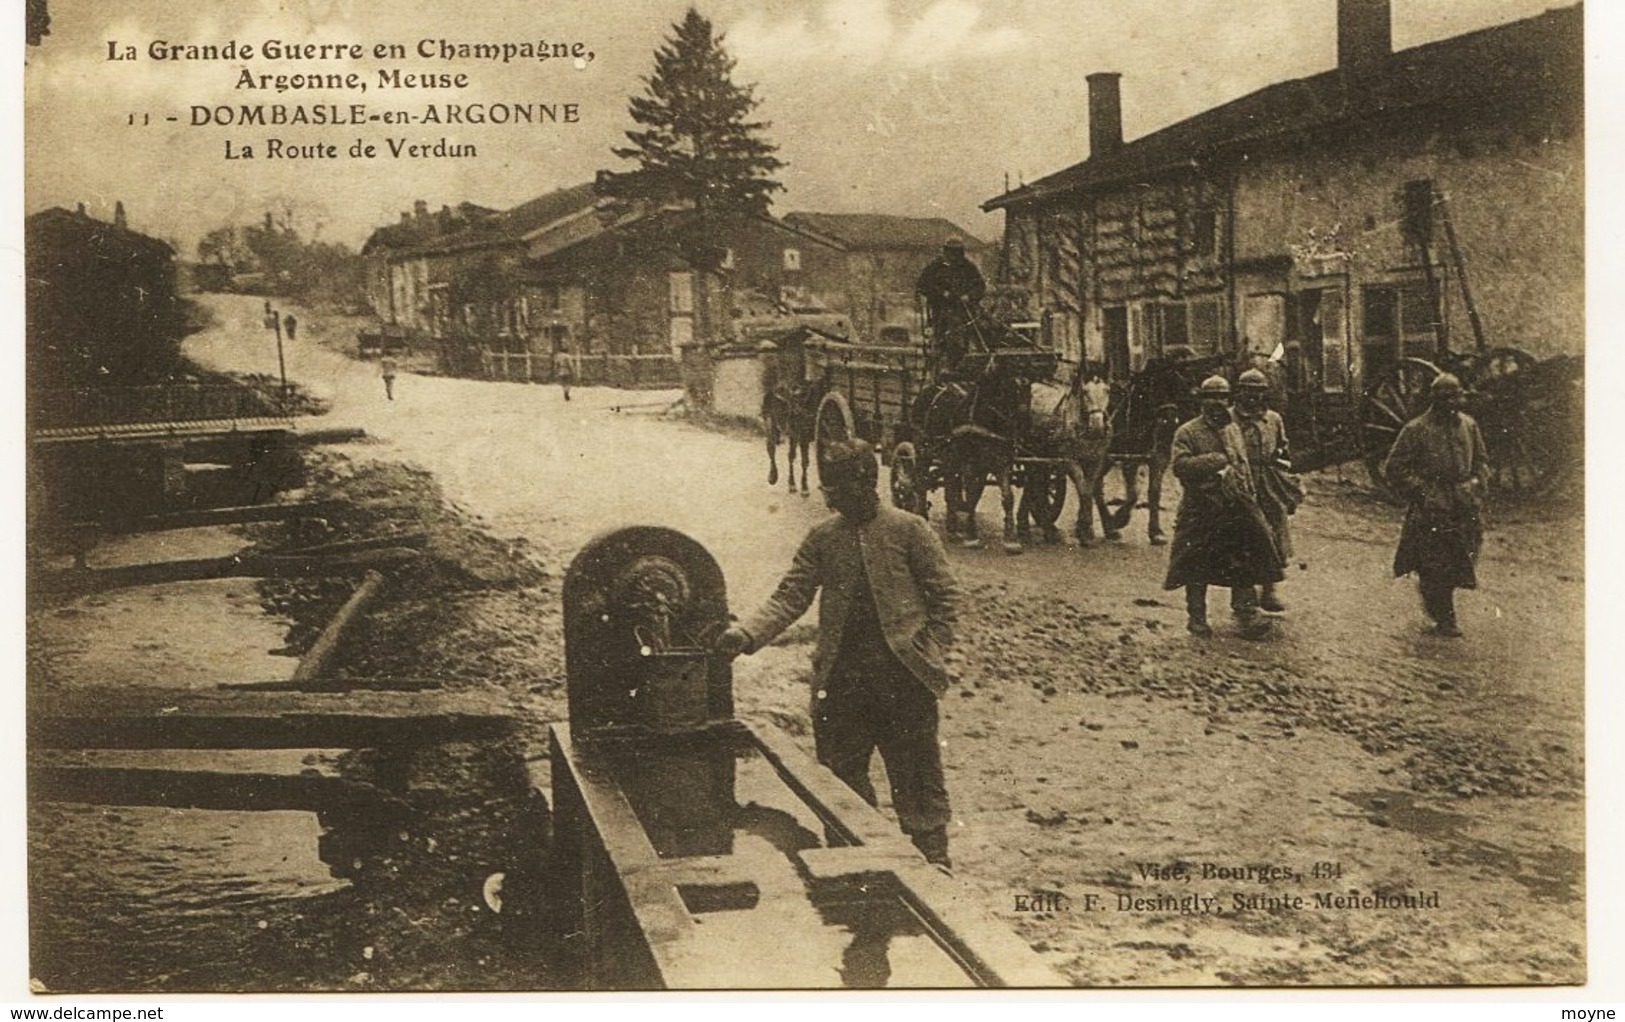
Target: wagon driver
{"points": [[887, 606], [1220, 536], [952, 287], [1438, 465]]}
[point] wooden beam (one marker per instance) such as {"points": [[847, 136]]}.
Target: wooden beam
{"points": [[85, 580], [221, 516], [105, 717], [313, 665], [201, 789]]}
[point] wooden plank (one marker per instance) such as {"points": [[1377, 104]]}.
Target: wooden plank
{"points": [[313, 664], [222, 516], [85, 580], [152, 718], [200, 789]]}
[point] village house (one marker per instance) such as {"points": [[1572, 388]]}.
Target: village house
{"points": [[1400, 204], [644, 294], [885, 255], [396, 280]]}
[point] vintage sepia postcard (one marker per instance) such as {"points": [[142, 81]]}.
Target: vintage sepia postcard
{"points": [[804, 495]]}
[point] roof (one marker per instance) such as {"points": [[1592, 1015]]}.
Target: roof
{"points": [[98, 233], [650, 232], [1533, 65], [861, 231], [413, 230], [510, 226]]}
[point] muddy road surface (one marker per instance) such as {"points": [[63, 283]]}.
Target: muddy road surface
{"points": [[1348, 801]]}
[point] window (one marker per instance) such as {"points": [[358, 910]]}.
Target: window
{"points": [[1175, 326], [1196, 325], [1325, 354], [792, 259], [1416, 218], [727, 261], [1205, 231], [682, 292], [1205, 324], [1397, 320]]}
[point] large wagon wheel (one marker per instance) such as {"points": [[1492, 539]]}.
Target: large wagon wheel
{"points": [[1397, 397], [1525, 420], [908, 484], [833, 424], [1050, 499]]}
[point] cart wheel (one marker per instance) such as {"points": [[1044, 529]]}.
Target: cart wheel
{"points": [[1051, 499], [1526, 424], [1397, 397], [907, 491], [833, 424]]}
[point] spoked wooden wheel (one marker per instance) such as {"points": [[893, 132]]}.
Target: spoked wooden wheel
{"points": [[1049, 499], [1397, 397], [907, 488], [1525, 421], [833, 424]]}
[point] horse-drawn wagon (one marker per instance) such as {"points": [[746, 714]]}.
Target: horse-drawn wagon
{"points": [[998, 416]]}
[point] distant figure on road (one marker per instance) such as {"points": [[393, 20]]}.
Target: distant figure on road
{"points": [[386, 369], [290, 325], [565, 368], [1220, 536], [885, 620], [952, 287], [1438, 465]]}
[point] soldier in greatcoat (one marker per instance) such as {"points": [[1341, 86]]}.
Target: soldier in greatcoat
{"points": [[1438, 465], [1276, 489], [1220, 536]]}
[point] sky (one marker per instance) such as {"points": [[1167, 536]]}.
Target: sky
{"points": [[912, 107]]}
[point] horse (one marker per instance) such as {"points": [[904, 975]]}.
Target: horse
{"points": [[965, 422], [789, 411], [1145, 414], [1071, 423]]}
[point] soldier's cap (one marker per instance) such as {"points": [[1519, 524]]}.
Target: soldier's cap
{"points": [[848, 462], [1253, 379], [1214, 386], [1445, 381], [954, 243]]}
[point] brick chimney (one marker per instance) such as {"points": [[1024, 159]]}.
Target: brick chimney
{"points": [[1364, 36], [420, 208], [119, 220], [1105, 113]]}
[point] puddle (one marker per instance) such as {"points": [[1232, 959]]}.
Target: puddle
{"points": [[1556, 874], [173, 635], [127, 897]]}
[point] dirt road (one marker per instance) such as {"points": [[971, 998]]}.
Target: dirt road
{"points": [[1347, 802]]}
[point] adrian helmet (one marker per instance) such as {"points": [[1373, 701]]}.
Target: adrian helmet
{"points": [[1253, 379], [1214, 386]]}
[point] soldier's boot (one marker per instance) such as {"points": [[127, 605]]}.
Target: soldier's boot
{"points": [[1244, 605], [1440, 603], [1196, 612], [1270, 600], [933, 844]]}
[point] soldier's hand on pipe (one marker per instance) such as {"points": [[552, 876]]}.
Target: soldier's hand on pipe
{"points": [[732, 642]]}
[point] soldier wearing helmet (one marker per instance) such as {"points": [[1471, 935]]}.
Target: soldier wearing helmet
{"points": [[1220, 535], [887, 606], [1438, 465], [1276, 489]]}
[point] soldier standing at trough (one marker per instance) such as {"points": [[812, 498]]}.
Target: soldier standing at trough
{"points": [[885, 621]]}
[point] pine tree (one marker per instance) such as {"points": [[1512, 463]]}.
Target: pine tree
{"points": [[697, 143]]}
